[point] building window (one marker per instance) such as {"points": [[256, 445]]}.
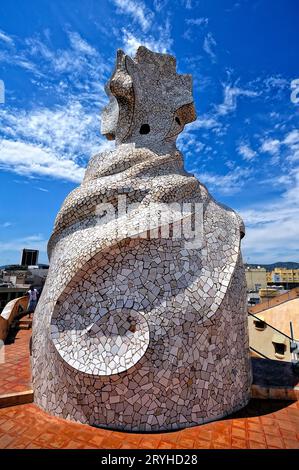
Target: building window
{"points": [[279, 349], [259, 324], [279, 343]]}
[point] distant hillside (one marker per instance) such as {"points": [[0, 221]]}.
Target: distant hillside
{"points": [[279, 264]]}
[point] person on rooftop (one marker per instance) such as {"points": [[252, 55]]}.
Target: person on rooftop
{"points": [[33, 297]]}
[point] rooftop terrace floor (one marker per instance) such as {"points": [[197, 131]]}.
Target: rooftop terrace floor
{"points": [[15, 371], [262, 424]]}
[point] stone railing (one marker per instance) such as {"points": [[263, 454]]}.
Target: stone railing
{"points": [[10, 312]]}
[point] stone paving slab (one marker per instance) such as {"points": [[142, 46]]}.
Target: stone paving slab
{"points": [[262, 424], [15, 371]]}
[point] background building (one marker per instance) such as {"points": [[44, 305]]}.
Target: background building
{"points": [[15, 279], [29, 257], [289, 278], [256, 278]]}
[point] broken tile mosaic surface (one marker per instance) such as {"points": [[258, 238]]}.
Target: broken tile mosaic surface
{"points": [[139, 333]]}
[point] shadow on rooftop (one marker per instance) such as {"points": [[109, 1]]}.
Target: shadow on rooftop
{"points": [[259, 407]]}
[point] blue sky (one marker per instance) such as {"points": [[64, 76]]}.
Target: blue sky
{"points": [[55, 58]]}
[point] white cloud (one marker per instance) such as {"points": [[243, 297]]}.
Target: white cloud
{"points": [[276, 82], [79, 44], [187, 4], [272, 231], [81, 64], [154, 35], [288, 146], [188, 142], [5, 38], [197, 21], [212, 120], [209, 45], [137, 10], [246, 152], [54, 143], [189, 145], [204, 122], [228, 184], [36, 241], [195, 26], [231, 93], [292, 138], [161, 44], [27, 159], [44, 190], [19, 60], [291, 141], [69, 129], [79, 68], [131, 42], [271, 146], [160, 4]]}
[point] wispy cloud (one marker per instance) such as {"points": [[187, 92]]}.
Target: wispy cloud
{"points": [[160, 4], [272, 227], [287, 146], [137, 10], [197, 21], [36, 241], [18, 59], [80, 67], [189, 142], [188, 4], [276, 81], [271, 146], [5, 38], [161, 43], [66, 130], [246, 151], [28, 159], [292, 143], [194, 25], [57, 141], [148, 29], [216, 120], [228, 184], [231, 94], [80, 45], [292, 138], [44, 190], [131, 42], [205, 121], [50, 142], [209, 45]]}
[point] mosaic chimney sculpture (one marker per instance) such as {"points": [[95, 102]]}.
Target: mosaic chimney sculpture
{"points": [[135, 331]]}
